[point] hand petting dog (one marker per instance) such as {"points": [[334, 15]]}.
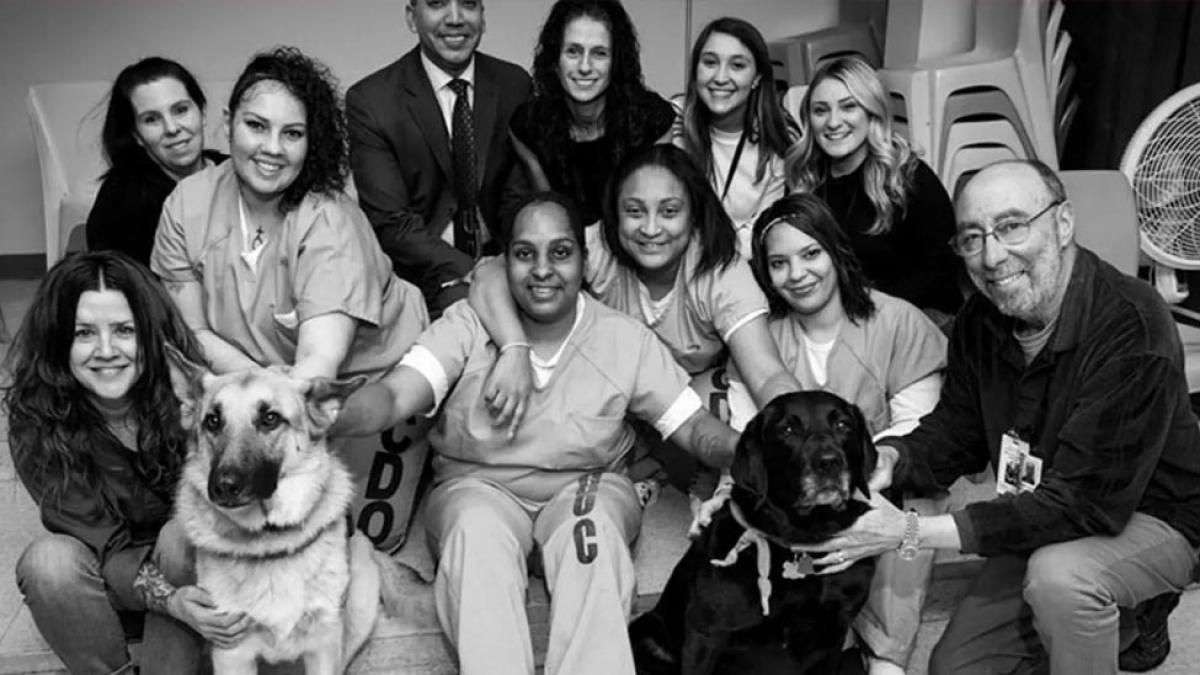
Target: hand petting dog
{"points": [[745, 598]]}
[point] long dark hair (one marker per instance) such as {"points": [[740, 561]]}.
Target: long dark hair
{"points": [[53, 424], [624, 119], [766, 122], [117, 136], [710, 223], [310, 81], [809, 214]]}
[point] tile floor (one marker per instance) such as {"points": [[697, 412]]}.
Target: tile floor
{"points": [[19, 524]]}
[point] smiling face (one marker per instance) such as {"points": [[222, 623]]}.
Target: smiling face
{"points": [[725, 75], [168, 125], [544, 263], [1024, 280], [655, 220], [268, 140], [802, 271], [839, 124], [104, 357], [449, 30], [585, 63]]}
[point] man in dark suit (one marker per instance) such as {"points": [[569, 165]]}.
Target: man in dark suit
{"points": [[430, 151]]}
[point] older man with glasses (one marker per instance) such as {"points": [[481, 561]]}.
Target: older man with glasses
{"points": [[1068, 377]]}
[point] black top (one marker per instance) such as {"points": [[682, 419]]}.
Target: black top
{"points": [[913, 259], [591, 163], [125, 214], [1104, 405], [120, 521]]}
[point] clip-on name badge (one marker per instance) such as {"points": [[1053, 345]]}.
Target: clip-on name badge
{"points": [[1019, 471]]}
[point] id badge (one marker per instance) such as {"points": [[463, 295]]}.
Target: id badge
{"points": [[1019, 471]]}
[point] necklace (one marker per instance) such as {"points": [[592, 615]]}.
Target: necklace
{"points": [[259, 236]]}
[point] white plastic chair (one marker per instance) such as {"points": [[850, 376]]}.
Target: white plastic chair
{"points": [[982, 132], [968, 160], [67, 119], [1008, 55]]}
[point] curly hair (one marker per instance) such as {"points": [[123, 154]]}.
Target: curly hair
{"points": [[623, 119], [809, 214], [121, 150], [326, 165], [890, 162], [766, 123], [711, 225], [53, 423]]}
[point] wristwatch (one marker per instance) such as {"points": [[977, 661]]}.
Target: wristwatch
{"points": [[910, 546]]}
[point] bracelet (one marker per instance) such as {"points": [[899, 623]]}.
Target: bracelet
{"points": [[910, 546], [514, 345]]}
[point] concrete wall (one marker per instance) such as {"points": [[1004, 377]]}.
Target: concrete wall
{"points": [[81, 40]]}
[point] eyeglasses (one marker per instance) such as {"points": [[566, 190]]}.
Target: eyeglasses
{"points": [[970, 242]]}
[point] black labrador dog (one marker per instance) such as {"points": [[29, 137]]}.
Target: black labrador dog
{"points": [[797, 465]]}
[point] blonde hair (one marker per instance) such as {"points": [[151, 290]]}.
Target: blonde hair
{"points": [[889, 164]]}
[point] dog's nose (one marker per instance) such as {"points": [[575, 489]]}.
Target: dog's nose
{"points": [[828, 461], [227, 488]]}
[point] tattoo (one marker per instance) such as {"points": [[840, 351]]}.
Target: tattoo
{"points": [[152, 587], [715, 445]]}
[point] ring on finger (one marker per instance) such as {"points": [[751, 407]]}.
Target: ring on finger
{"points": [[839, 557]]}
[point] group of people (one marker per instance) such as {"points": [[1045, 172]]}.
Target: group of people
{"points": [[587, 250]]}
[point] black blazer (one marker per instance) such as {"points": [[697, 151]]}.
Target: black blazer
{"points": [[400, 156]]}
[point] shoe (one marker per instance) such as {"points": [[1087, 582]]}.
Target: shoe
{"points": [[1153, 643]]}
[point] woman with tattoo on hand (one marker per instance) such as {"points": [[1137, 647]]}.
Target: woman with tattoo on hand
{"points": [[96, 439]]}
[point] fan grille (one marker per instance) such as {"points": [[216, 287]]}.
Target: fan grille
{"points": [[1166, 185]]}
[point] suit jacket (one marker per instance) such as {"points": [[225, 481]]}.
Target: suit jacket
{"points": [[401, 158]]}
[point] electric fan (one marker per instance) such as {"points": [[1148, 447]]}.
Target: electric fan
{"points": [[1162, 163]]}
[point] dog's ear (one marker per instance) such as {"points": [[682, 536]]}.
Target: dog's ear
{"points": [[188, 381], [749, 466], [325, 397], [859, 478]]}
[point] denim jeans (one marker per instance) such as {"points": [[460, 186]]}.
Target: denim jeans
{"points": [[1064, 600], [74, 603]]}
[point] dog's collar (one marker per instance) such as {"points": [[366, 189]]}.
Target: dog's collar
{"points": [[798, 567], [283, 553]]}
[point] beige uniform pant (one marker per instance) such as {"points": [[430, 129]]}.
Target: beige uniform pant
{"points": [[484, 534], [888, 624]]}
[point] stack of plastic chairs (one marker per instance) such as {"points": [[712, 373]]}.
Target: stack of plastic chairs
{"points": [[994, 101], [796, 59]]}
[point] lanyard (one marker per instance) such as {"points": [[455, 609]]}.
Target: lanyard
{"points": [[737, 156]]}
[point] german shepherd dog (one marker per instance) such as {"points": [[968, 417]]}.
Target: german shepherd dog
{"points": [[264, 501]]}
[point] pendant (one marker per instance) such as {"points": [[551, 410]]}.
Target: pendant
{"points": [[800, 566]]}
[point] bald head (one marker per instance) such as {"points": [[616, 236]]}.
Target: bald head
{"points": [[1025, 174]]}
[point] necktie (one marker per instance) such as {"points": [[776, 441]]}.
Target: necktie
{"points": [[462, 145]]}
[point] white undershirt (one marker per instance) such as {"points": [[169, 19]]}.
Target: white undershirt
{"points": [[544, 368], [653, 310], [818, 357]]}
